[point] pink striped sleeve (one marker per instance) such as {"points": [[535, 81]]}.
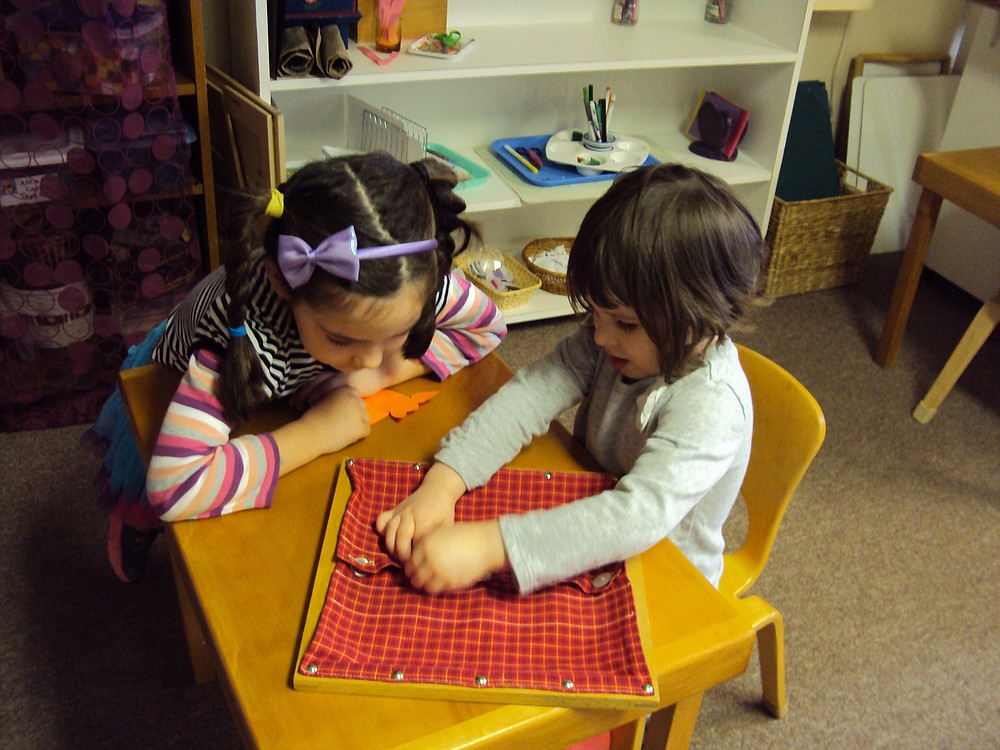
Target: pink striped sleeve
{"points": [[469, 327], [197, 470]]}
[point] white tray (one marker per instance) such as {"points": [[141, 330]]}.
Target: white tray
{"points": [[626, 153]]}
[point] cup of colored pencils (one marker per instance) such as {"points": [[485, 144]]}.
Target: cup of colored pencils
{"points": [[598, 135]]}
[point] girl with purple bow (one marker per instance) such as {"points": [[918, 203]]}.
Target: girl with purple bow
{"points": [[335, 286]]}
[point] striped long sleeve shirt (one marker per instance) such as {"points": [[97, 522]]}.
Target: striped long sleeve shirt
{"points": [[197, 469]]}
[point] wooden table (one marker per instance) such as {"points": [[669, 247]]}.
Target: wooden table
{"points": [[244, 582], [968, 178]]}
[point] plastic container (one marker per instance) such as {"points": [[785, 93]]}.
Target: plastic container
{"points": [[33, 170], [154, 143]]}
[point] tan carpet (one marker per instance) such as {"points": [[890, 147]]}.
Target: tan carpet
{"points": [[885, 569]]}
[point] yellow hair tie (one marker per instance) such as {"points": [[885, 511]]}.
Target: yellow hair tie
{"points": [[276, 205]]}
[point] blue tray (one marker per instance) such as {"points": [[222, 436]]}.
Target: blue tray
{"points": [[551, 174]]}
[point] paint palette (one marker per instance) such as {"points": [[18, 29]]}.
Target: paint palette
{"points": [[623, 153]]}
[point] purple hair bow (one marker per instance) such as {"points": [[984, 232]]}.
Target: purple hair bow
{"points": [[338, 255]]}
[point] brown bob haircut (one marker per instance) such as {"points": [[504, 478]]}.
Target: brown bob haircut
{"points": [[675, 245]]}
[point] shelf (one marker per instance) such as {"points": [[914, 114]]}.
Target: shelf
{"points": [[842, 5], [522, 76], [492, 195], [565, 48], [71, 101], [742, 171], [540, 306]]}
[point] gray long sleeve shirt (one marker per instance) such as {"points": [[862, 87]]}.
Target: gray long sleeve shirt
{"points": [[680, 452]]}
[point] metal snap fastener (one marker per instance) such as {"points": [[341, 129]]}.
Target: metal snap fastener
{"points": [[359, 573], [481, 680], [647, 689], [397, 675], [416, 467], [362, 561], [312, 668], [548, 475], [568, 684], [350, 462], [601, 580]]}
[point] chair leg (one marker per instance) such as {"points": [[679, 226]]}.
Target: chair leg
{"points": [[770, 629], [771, 650], [671, 728], [975, 335]]}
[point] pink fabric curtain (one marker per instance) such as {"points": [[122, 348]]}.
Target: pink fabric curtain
{"points": [[98, 235]]}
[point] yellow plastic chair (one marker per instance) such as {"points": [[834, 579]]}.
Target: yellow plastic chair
{"points": [[788, 431]]}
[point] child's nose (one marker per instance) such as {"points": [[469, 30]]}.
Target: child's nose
{"points": [[602, 334], [368, 358]]}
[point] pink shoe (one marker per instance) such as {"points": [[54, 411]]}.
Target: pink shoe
{"points": [[128, 549]]}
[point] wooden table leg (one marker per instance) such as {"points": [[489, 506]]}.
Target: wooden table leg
{"points": [[909, 274], [975, 336], [672, 727], [202, 663]]}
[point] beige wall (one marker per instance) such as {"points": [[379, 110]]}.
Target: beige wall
{"points": [[898, 26]]}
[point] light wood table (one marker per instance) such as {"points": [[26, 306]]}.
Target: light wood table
{"points": [[970, 179], [244, 583]]}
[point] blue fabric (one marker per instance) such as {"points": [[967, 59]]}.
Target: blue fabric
{"points": [[122, 470]]}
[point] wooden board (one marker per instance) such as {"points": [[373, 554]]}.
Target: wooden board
{"points": [[419, 17], [436, 691], [248, 135]]}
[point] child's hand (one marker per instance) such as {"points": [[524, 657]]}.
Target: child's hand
{"points": [[456, 556], [316, 389], [338, 419], [431, 505], [417, 515], [395, 369]]}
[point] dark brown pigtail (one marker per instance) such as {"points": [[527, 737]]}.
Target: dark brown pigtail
{"points": [[448, 206], [241, 382]]}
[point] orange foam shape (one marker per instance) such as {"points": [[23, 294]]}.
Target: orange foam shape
{"points": [[391, 403]]}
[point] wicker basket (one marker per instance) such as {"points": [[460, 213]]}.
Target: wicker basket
{"points": [[823, 243], [552, 281], [523, 278]]}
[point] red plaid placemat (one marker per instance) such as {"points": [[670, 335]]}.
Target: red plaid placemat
{"points": [[577, 637]]}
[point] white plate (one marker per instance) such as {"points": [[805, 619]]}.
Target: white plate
{"points": [[626, 153]]}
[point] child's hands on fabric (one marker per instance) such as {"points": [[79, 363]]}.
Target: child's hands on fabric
{"points": [[431, 505], [456, 556]]}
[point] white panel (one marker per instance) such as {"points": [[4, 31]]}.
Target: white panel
{"points": [[883, 143]]}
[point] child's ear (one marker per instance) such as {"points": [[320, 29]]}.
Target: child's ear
{"points": [[277, 279]]}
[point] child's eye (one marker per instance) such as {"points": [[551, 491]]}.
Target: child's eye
{"points": [[338, 342], [626, 326]]}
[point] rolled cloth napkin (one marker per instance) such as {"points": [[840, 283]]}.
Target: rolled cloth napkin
{"points": [[297, 54], [331, 56]]}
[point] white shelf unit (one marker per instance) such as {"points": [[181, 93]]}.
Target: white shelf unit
{"points": [[525, 78]]}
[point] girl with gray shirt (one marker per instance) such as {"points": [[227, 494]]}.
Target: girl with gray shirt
{"points": [[665, 264]]}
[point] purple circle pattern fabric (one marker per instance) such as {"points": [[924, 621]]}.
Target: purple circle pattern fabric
{"points": [[98, 231]]}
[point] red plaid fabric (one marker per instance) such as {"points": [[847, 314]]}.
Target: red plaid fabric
{"points": [[579, 636]]}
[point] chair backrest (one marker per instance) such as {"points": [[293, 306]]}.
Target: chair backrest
{"points": [[788, 431]]}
